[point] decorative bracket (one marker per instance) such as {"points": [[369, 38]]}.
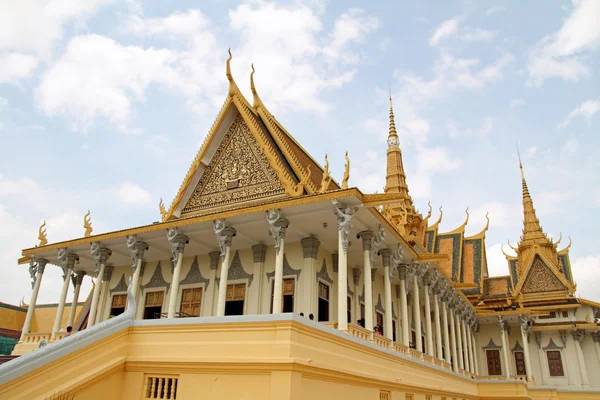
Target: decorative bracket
{"points": [[136, 249], [277, 226], [224, 235], [67, 260], [177, 241], [344, 215]]}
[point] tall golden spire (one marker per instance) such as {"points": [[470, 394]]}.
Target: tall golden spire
{"points": [[403, 212], [532, 231]]}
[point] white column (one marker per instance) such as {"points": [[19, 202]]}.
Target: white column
{"points": [[100, 256], [525, 326], [367, 239], [258, 253], [67, 261], [211, 294], [277, 226], [459, 342], [465, 344], [108, 270], [224, 236], [428, 330], [417, 314], [453, 342], [578, 337], [310, 252], [36, 270], [470, 347], [438, 328], [136, 252], [386, 257], [177, 241], [402, 270], [475, 354], [344, 216], [356, 297], [596, 339], [448, 353], [504, 347], [77, 280]]}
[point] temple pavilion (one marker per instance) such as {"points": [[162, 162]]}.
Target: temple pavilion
{"points": [[267, 278]]}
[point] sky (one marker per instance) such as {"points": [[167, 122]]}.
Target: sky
{"points": [[104, 103]]}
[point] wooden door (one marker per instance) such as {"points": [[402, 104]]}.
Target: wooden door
{"points": [[493, 362], [520, 362]]}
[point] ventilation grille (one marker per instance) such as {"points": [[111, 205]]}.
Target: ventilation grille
{"points": [[383, 395], [161, 388]]}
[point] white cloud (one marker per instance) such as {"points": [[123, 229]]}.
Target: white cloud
{"points": [[496, 262], [586, 272], [585, 110], [531, 152], [430, 162], [551, 202], [478, 35], [517, 103], [596, 197], [174, 26], [16, 66], [350, 27], [97, 76], [557, 55], [486, 128], [502, 215], [376, 127], [444, 30], [132, 194], [3, 102]]}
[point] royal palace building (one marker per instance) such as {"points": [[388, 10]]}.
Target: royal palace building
{"points": [[268, 279]]}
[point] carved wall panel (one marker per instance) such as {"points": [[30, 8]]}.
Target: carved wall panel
{"points": [[541, 279]]}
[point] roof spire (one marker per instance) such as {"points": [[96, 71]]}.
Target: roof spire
{"points": [[393, 135]]}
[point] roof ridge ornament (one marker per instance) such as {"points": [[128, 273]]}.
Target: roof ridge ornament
{"points": [[232, 85], [257, 101], [326, 180], [163, 212], [346, 172], [42, 235], [87, 224]]}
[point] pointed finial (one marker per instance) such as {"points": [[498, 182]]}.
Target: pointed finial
{"points": [[161, 208], [257, 101], [87, 224], [42, 235], [505, 255], [346, 173], [509, 245], [430, 210], [392, 132], [326, 177], [487, 225], [568, 246], [228, 67], [559, 239], [467, 220], [520, 163]]}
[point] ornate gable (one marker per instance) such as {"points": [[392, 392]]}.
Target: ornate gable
{"points": [[540, 278], [238, 172]]}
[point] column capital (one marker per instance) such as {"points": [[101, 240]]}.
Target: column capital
{"points": [[136, 249], [526, 323], [310, 247], [403, 271], [578, 336], [367, 239], [100, 255], [344, 215], [37, 266], [386, 257], [177, 241], [356, 275], [224, 234], [214, 259], [258, 251], [501, 323], [67, 261], [277, 227]]}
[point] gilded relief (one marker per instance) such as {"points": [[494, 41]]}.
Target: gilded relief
{"points": [[541, 279], [238, 171]]}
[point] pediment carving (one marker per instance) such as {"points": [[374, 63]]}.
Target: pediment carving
{"points": [[541, 279]]}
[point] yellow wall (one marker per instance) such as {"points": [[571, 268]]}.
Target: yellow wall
{"points": [[275, 360], [10, 318]]}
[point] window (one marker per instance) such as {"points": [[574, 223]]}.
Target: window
{"points": [[153, 305], [520, 362], [408, 397], [161, 388], [118, 304], [234, 300], [380, 321], [550, 315], [413, 340], [555, 363], [565, 314], [287, 303], [349, 309], [493, 362], [394, 330], [191, 299], [323, 302]]}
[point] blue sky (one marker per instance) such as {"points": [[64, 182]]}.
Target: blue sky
{"points": [[103, 105]]}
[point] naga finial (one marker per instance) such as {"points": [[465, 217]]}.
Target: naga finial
{"points": [[302, 184], [326, 177], [509, 245], [502, 250], [228, 67], [163, 212], [87, 224], [430, 210], [559, 239], [568, 246], [346, 173], [42, 235]]}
